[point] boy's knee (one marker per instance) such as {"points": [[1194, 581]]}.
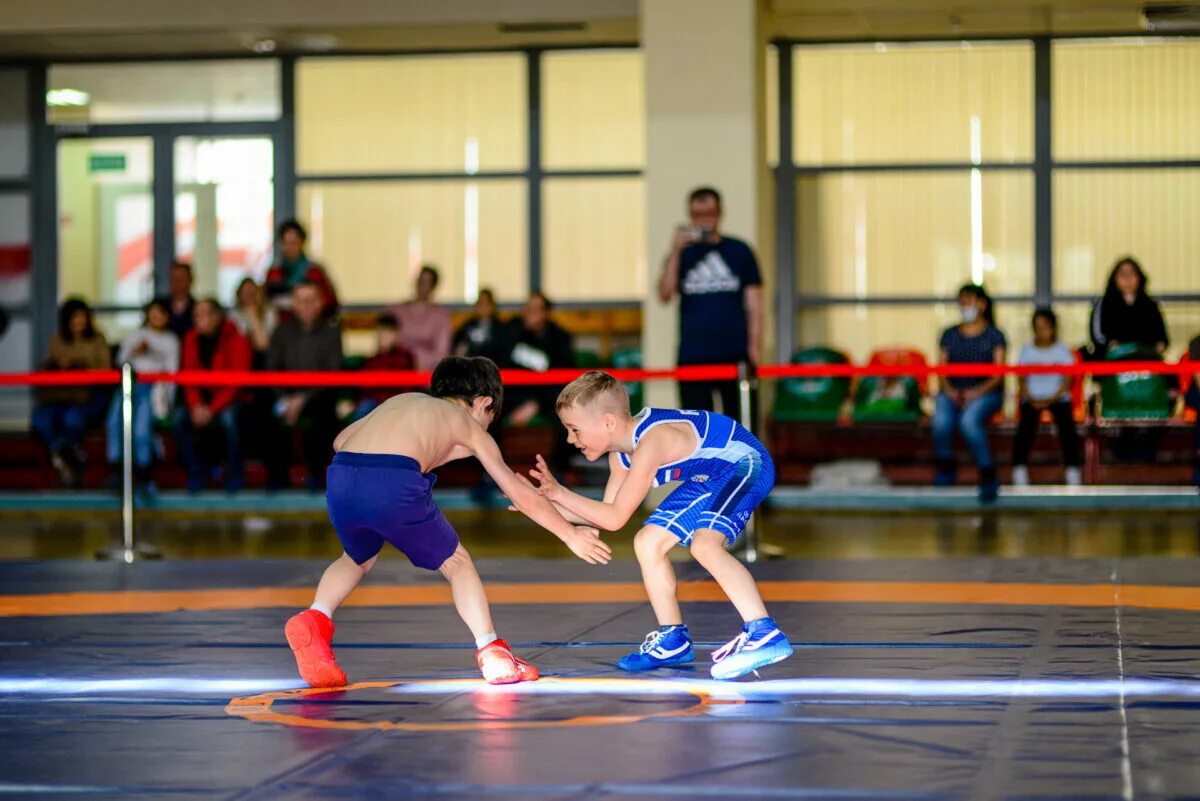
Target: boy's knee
{"points": [[707, 549], [456, 561], [651, 543], [366, 566]]}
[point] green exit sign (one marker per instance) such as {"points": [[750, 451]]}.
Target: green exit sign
{"points": [[106, 162]]}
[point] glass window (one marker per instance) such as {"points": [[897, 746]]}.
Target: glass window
{"points": [[224, 210], [373, 236], [14, 124], [192, 91], [1101, 215], [593, 110], [411, 114], [106, 220], [1126, 99], [914, 233], [15, 255], [860, 329], [594, 238], [959, 102]]}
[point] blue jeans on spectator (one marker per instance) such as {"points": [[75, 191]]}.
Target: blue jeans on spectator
{"points": [[196, 446], [143, 427], [971, 420], [62, 426]]}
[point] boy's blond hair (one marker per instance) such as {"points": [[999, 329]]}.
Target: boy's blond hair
{"points": [[595, 387]]}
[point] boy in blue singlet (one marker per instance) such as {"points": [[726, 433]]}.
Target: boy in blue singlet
{"points": [[725, 472]]}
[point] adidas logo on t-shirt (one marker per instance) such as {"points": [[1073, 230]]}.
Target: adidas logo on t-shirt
{"points": [[711, 274]]}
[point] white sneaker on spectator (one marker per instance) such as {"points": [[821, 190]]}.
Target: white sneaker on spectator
{"points": [[1020, 476], [1074, 477]]}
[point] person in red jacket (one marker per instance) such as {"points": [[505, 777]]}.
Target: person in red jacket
{"points": [[214, 344], [294, 267]]}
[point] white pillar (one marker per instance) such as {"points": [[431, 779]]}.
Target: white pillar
{"points": [[704, 99]]}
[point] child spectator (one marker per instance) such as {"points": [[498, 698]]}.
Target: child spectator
{"points": [[153, 348], [1045, 391]]}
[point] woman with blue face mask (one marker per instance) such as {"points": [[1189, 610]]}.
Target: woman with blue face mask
{"points": [[967, 404]]}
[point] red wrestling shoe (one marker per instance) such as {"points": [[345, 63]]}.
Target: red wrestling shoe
{"points": [[499, 666], [310, 634]]}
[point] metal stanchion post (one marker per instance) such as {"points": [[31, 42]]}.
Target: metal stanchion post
{"points": [[128, 551], [753, 548]]}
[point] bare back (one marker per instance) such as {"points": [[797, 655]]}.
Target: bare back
{"points": [[430, 430]]}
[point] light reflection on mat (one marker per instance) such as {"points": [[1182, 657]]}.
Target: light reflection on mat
{"points": [[764, 690], [800, 688], [165, 684]]}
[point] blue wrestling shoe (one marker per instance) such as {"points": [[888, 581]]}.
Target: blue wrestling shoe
{"points": [[761, 643], [670, 645]]}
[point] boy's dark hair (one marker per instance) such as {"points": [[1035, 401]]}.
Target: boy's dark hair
{"points": [[1049, 316], [468, 378], [702, 192], [292, 225], [387, 320]]}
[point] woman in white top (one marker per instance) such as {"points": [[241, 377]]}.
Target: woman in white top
{"points": [[1046, 392], [253, 316], [153, 348]]}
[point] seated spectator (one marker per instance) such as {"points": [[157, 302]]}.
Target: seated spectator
{"points": [[292, 268], [153, 348], [1192, 399], [424, 325], [389, 355], [210, 416], [309, 341], [1126, 314], [967, 403], [254, 317], [63, 415], [479, 335], [179, 300], [535, 342], [1042, 392]]}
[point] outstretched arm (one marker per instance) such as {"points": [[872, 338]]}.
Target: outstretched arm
{"points": [[622, 497], [584, 542]]}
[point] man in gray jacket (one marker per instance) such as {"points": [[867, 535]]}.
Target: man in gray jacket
{"points": [[308, 342]]}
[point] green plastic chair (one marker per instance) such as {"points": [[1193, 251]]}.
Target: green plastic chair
{"points": [[812, 400], [1133, 396], [889, 399], [626, 360]]}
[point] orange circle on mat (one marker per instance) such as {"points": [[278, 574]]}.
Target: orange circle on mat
{"points": [[258, 708]]}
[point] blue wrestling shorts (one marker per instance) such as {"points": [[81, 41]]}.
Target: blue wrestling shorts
{"points": [[722, 502], [375, 498]]}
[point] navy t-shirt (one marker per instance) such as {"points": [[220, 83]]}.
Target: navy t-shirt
{"points": [[979, 349], [712, 309]]}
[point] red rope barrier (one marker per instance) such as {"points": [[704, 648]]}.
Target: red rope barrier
{"points": [[418, 378]]}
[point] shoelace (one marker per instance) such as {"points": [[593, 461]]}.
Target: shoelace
{"points": [[651, 642], [731, 647]]}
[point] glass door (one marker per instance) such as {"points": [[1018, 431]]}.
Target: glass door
{"points": [[224, 210], [106, 225]]}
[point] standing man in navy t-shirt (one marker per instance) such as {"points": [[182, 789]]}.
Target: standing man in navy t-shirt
{"points": [[720, 300]]}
